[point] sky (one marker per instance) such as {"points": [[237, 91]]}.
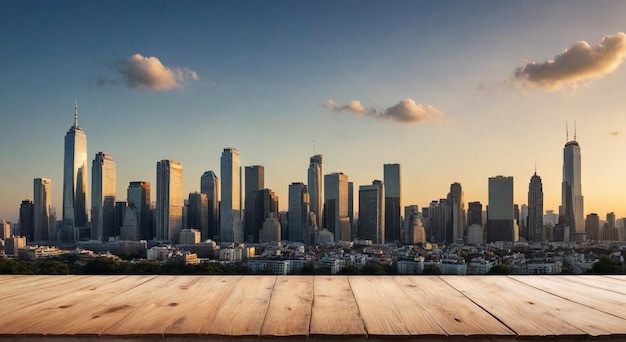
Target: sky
{"points": [[453, 91]]}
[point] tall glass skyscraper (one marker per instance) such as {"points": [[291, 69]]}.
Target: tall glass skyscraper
{"points": [[316, 187], [571, 210], [169, 203], [231, 223], [210, 185], [42, 188], [74, 182], [500, 214], [255, 181], [103, 197], [456, 225], [298, 215], [336, 206], [372, 212], [138, 197], [393, 194], [535, 209]]}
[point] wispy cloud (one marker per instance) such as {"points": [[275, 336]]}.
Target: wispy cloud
{"points": [[615, 133], [405, 112], [149, 73], [578, 63]]}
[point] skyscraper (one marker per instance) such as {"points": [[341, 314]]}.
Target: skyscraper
{"points": [[169, 206], [103, 197], [198, 214], [138, 197], [265, 202], [210, 185], [231, 229], [393, 194], [571, 210], [316, 186], [336, 206], [500, 215], [42, 194], [255, 180], [535, 209], [74, 182], [474, 214], [456, 228], [372, 212], [298, 215], [27, 220]]}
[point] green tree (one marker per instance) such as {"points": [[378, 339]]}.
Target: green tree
{"points": [[373, 268], [607, 265], [499, 269], [349, 269]]}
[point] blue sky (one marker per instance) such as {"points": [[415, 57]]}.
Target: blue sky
{"points": [[266, 71]]}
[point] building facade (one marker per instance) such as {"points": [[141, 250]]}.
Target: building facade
{"points": [[393, 195], [572, 206], [103, 191], [336, 206], [254, 181], [500, 213], [210, 185], [298, 214], [372, 212], [75, 183], [169, 201], [231, 220], [138, 197], [42, 202], [316, 186], [535, 210]]}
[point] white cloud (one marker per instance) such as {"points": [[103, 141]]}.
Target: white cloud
{"points": [[578, 63], [354, 107], [138, 71], [405, 112]]}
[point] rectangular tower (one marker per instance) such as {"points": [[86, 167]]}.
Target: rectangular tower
{"points": [[42, 194], [138, 197], [169, 206], [500, 214], [298, 216], [336, 206], [231, 225], [393, 194], [103, 197], [316, 186], [372, 212], [255, 181], [210, 185]]}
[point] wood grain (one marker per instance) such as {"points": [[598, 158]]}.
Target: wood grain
{"points": [[243, 311], [453, 312], [519, 306], [289, 311], [335, 312]]}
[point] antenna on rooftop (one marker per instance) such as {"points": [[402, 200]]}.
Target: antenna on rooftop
{"points": [[574, 130], [566, 133]]}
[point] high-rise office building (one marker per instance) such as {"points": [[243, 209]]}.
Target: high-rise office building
{"points": [[138, 197], [298, 214], [592, 227], [535, 209], [316, 186], [75, 183], [210, 185], [414, 231], [231, 224], [336, 206], [393, 194], [439, 221], [351, 203], [42, 194], [265, 202], [571, 210], [198, 214], [169, 208], [254, 181], [372, 212], [500, 214], [474, 213], [27, 220], [456, 225], [120, 215], [103, 191]]}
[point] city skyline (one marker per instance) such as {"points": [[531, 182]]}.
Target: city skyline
{"points": [[302, 86]]}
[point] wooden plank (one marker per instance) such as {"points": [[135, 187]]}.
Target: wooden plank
{"points": [[606, 301], [24, 284], [289, 311], [595, 281], [532, 312], [335, 312], [170, 304], [243, 311], [24, 306], [68, 314], [457, 315], [379, 313]]}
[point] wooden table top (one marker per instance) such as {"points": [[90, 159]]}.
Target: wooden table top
{"points": [[500, 307]]}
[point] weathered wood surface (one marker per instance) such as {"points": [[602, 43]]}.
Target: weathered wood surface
{"points": [[313, 306]]}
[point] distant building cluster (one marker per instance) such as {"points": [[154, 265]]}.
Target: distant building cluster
{"points": [[320, 212]]}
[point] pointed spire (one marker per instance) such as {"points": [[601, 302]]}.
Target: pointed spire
{"points": [[574, 130], [535, 167], [566, 133], [76, 114]]}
